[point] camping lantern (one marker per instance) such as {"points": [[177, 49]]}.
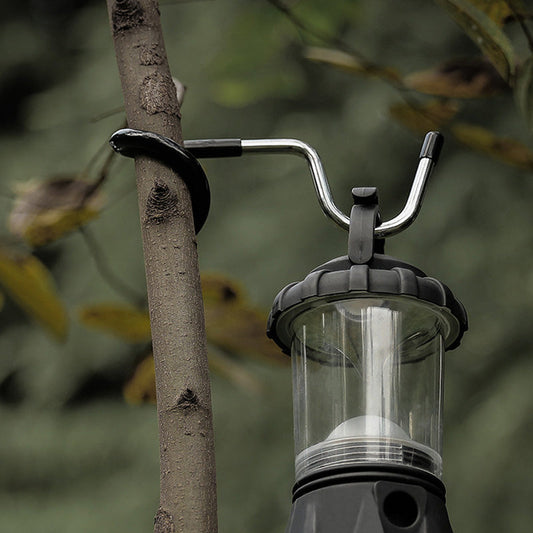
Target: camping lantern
{"points": [[367, 335]]}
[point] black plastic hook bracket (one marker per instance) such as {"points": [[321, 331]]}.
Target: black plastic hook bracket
{"points": [[132, 143], [364, 218]]}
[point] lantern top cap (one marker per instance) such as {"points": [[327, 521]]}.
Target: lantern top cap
{"points": [[341, 279]]}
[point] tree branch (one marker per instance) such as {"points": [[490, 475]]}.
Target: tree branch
{"points": [[336, 42], [188, 487]]}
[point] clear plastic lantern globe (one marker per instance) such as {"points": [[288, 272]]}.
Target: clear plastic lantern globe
{"points": [[367, 382]]}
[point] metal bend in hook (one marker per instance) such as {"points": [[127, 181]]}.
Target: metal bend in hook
{"points": [[320, 181], [208, 148], [427, 160], [429, 155]]}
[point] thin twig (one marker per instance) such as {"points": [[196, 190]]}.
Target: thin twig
{"points": [[318, 34], [379, 71], [102, 265], [108, 113], [92, 161], [332, 40], [101, 178], [102, 174]]}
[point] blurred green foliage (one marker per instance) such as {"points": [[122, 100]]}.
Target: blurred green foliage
{"points": [[74, 455]]}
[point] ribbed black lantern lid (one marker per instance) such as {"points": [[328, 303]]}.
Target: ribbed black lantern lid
{"points": [[364, 272], [341, 279]]}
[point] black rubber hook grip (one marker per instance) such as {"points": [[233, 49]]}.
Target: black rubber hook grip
{"points": [[432, 146], [132, 143]]}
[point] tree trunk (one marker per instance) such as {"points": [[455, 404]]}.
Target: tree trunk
{"points": [[188, 485]]}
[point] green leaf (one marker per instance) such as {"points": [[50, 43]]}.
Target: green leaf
{"points": [[243, 90], [524, 90], [31, 286], [485, 33], [458, 78], [349, 63], [504, 149], [328, 21]]}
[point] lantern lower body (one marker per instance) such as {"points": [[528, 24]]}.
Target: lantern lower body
{"points": [[367, 388], [370, 501]]}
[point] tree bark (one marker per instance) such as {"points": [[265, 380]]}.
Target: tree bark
{"points": [[188, 486]]}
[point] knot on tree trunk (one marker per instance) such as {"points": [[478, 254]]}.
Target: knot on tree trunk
{"points": [[151, 54], [126, 15], [163, 522], [158, 94], [162, 204], [187, 401]]}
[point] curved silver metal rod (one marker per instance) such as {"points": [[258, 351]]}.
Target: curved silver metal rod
{"points": [[414, 202], [405, 218], [323, 192]]}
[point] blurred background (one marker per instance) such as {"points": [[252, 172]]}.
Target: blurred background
{"points": [[74, 454]]}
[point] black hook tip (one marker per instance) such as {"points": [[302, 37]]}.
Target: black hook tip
{"points": [[432, 146]]}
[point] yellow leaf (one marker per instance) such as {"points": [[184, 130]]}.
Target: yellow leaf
{"points": [[141, 387], [45, 211], [233, 324], [423, 118], [349, 63], [458, 78], [120, 320], [504, 149], [31, 286]]}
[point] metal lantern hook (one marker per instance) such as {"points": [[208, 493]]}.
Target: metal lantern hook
{"points": [[429, 155], [131, 142]]}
